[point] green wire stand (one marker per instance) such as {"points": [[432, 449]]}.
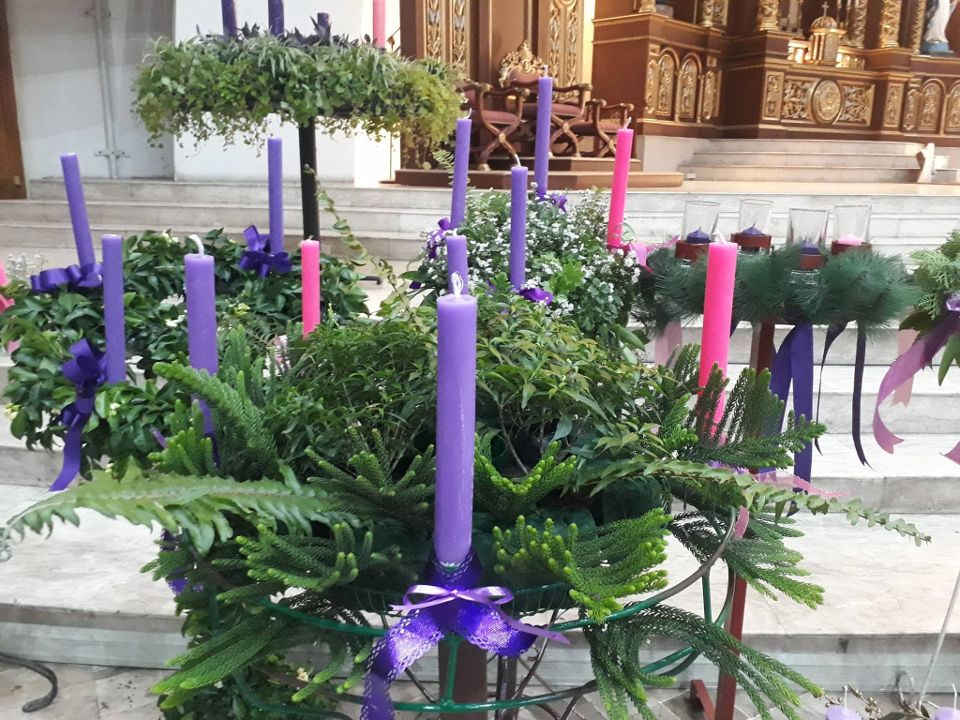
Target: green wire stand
{"points": [[526, 602]]}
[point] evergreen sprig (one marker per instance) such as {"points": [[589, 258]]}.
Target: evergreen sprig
{"points": [[613, 563], [506, 498]]}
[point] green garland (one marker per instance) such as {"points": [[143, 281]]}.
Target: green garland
{"points": [[215, 86], [861, 287]]}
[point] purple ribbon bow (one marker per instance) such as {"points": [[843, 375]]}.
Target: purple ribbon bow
{"points": [[919, 356], [793, 365], [435, 238], [258, 257], [73, 276], [557, 199], [87, 371], [454, 605], [537, 295]]}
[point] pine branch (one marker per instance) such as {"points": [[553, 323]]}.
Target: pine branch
{"points": [[507, 498]]}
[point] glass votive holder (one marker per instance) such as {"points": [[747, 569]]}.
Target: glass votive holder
{"points": [[807, 229], [700, 219], [851, 228], [754, 223]]}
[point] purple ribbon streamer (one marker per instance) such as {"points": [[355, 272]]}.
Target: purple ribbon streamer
{"points": [[920, 355], [258, 257], [87, 370], [456, 606], [74, 277], [793, 365], [558, 200], [537, 295]]}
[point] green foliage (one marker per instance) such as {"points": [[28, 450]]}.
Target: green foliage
{"points": [[614, 563], [566, 255], [502, 496], [862, 287], [126, 415], [213, 86], [201, 507], [614, 648]]}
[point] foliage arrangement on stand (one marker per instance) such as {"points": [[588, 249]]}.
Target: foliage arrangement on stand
{"points": [[567, 256], [45, 326], [314, 506], [214, 86]]}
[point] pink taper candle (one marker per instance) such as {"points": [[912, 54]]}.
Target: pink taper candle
{"points": [[718, 310], [380, 23], [5, 302], [456, 423], [310, 262], [618, 195]]}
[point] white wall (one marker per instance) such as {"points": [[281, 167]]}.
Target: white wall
{"points": [[58, 88], [340, 159]]}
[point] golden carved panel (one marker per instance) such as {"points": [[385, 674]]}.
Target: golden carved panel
{"points": [[911, 109], [857, 103], [434, 29], [891, 113], [653, 79], [890, 23], [797, 96], [687, 89], [931, 104], [768, 15], [565, 30], [773, 96], [827, 102], [459, 45], [666, 80], [710, 100], [447, 32], [857, 24], [951, 121]]}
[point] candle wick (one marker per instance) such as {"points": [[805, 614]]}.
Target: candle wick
{"points": [[199, 243], [457, 281]]}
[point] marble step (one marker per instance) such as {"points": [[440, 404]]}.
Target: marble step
{"points": [[77, 597], [814, 147], [788, 157], [788, 173]]}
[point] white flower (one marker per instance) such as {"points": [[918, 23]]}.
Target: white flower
{"points": [[175, 322], [172, 301]]}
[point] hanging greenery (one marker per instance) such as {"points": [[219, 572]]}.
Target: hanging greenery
{"points": [[215, 86]]}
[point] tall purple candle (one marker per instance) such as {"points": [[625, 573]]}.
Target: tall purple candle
{"points": [[228, 9], [275, 17], [78, 209], [541, 164], [275, 162], [201, 294], [518, 227], [456, 424], [461, 170], [457, 261], [114, 318]]}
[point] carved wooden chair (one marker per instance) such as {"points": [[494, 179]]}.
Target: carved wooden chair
{"points": [[521, 69], [497, 118], [602, 123]]}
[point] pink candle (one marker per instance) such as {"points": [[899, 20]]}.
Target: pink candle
{"points": [[849, 240], [310, 262], [718, 310], [618, 195], [380, 23], [4, 301]]}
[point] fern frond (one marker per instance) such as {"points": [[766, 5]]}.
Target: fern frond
{"points": [[506, 498]]}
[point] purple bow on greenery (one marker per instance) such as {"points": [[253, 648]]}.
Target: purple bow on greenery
{"points": [[74, 277], [435, 238], [793, 365], [559, 200], [454, 604], [919, 356], [258, 257], [87, 371], [537, 295]]}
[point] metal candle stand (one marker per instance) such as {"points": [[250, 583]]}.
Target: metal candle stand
{"points": [[510, 693]]}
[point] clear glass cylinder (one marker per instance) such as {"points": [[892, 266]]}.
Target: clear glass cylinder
{"points": [[808, 229], [755, 215], [851, 223], [700, 219]]}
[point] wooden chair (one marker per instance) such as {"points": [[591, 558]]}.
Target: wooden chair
{"points": [[522, 70], [497, 117], [602, 123]]}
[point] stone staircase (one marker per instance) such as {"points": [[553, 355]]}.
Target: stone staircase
{"points": [[77, 598], [832, 161]]}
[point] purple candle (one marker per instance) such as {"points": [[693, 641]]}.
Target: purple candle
{"points": [[113, 311], [541, 164], [461, 169], [518, 227], [202, 318], [78, 209], [456, 424], [946, 713], [841, 712], [698, 236], [457, 260], [275, 163], [228, 9], [810, 248], [275, 17]]}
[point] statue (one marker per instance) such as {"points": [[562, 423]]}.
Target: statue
{"points": [[935, 36]]}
